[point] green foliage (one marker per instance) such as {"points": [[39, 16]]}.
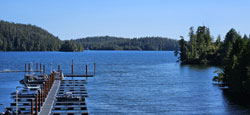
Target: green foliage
{"points": [[199, 49], [227, 46], [20, 37], [233, 53], [118, 43], [184, 52], [71, 46], [237, 66]]}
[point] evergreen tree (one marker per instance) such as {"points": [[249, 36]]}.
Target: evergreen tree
{"points": [[199, 49], [228, 44]]}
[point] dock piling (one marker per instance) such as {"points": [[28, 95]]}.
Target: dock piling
{"points": [[43, 92], [61, 75], [29, 67], [58, 68], [43, 69], [50, 81], [86, 70], [40, 67], [32, 104], [39, 100], [36, 103]]}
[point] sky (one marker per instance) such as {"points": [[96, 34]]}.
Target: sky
{"points": [[72, 19]]}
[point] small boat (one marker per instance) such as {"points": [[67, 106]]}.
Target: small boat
{"points": [[34, 79]]}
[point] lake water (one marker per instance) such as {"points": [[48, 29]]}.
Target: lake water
{"points": [[130, 82]]}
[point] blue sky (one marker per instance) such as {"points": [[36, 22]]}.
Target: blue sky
{"points": [[71, 19]]}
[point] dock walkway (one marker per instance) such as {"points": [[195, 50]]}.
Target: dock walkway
{"points": [[51, 94], [46, 109]]}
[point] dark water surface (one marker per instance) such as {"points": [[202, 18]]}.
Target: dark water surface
{"points": [[130, 82]]}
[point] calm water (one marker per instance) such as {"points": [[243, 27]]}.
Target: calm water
{"points": [[130, 82]]}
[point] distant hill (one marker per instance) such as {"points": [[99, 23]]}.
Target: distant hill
{"points": [[119, 43], [26, 37], [22, 37]]}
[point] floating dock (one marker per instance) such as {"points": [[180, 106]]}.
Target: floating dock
{"points": [[44, 94], [74, 100]]}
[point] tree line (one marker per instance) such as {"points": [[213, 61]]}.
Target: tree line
{"points": [[119, 43], [232, 54], [23, 37], [26, 37]]}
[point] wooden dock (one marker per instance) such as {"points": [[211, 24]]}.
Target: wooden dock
{"points": [[52, 95], [47, 106], [70, 98]]}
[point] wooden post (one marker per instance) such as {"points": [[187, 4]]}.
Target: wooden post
{"points": [[94, 68], [52, 78], [52, 75], [29, 67], [41, 95], [44, 93], [39, 100], [58, 68], [25, 67], [72, 67], [49, 82], [37, 67], [61, 75], [43, 69], [45, 90], [86, 70], [36, 105], [32, 109], [40, 67], [47, 87]]}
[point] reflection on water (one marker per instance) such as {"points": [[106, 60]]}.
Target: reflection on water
{"points": [[132, 82]]}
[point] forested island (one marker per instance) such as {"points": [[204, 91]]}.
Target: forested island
{"points": [[119, 43], [232, 54], [22, 37], [26, 37]]}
